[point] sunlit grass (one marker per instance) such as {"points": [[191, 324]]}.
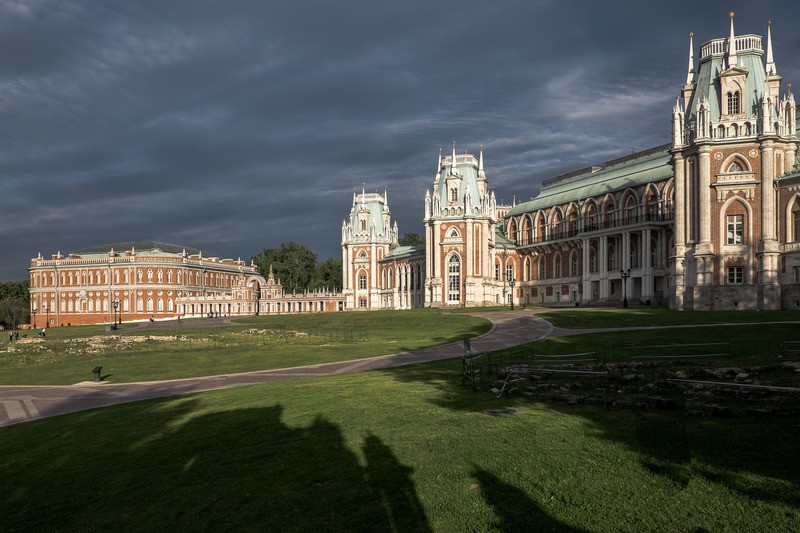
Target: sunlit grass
{"points": [[611, 317], [256, 343]]}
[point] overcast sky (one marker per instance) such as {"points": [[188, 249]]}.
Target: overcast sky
{"points": [[233, 126]]}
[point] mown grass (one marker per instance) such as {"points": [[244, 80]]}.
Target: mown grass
{"points": [[255, 343], [613, 317], [406, 449]]}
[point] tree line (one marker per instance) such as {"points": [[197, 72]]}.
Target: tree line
{"points": [[298, 268]]}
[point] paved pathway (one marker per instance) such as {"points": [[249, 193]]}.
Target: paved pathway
{"points": [[22, 403]]}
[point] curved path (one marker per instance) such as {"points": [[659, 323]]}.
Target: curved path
{"points": [[23, 403]]}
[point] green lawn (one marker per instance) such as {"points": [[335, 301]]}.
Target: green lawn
{"points": [[68, 355], [406, 449], [614, 317]]}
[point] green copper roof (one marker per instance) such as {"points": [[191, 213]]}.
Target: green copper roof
{"points": [[637, 169], [707, 81], [404, 252]]}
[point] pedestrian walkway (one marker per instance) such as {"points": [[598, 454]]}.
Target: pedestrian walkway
{"points": [[23, 403]]}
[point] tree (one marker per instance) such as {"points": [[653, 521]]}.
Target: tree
{"points": [[292, 263], [411, 239], [329, 274], [14, 303]]}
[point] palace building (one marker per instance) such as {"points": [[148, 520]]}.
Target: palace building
{"points": [[710, 220], [151, 281]]}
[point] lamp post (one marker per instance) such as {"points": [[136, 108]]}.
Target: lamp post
{"points": [[624, 275], [33, 312], [115, 303], [118, 317], [47, 312], [512, 282]]}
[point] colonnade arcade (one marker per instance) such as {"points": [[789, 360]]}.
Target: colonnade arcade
{"points": [[583, 250]]}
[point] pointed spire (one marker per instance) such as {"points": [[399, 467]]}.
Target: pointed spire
{"points": [[453, 162], [690, 75], [771, 70], [385, 197], [439, 166], [481, 173], [732, 44]]}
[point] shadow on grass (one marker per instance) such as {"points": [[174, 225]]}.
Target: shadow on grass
{"points": [[514, 509], [753, 456], [174, 469]]}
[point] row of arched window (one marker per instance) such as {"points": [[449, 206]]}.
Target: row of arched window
{"points": [[564, 222], [82, 278]]}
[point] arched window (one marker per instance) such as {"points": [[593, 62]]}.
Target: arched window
{"points": [[454, 279], [140, 305], [149, 304], [795, 222], [362, 281], [557, 267], [454, 195], [509, 271], [735, 227], [149, 275], [735, 167], [160, 276], [733, 103], [542, 268]]}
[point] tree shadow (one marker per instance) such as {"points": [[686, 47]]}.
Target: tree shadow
{"points": [[515, 510], [391, 484], [729, 451], [244, 470]]}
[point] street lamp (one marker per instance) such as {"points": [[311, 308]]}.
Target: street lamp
{"points": [[34, 315], [47, 312], [115, 303], [624, 275], [512, 282], [116, 308]]}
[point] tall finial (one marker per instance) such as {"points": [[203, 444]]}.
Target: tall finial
{"points": [[690, 75], [771, 70], [453, 162], [386, 196], [732, 44], [439, 166], [481, 173]]}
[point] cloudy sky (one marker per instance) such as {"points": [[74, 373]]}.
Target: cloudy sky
{"points": [[233, 126]]}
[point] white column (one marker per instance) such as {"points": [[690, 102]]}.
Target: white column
{"points": [[585, 274]]}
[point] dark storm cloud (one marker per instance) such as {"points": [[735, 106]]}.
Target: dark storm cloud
{"points": [[234, 126]]}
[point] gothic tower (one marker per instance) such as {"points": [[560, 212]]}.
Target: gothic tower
{"points": [[367, 237], [460, 220], [733, 134]]}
